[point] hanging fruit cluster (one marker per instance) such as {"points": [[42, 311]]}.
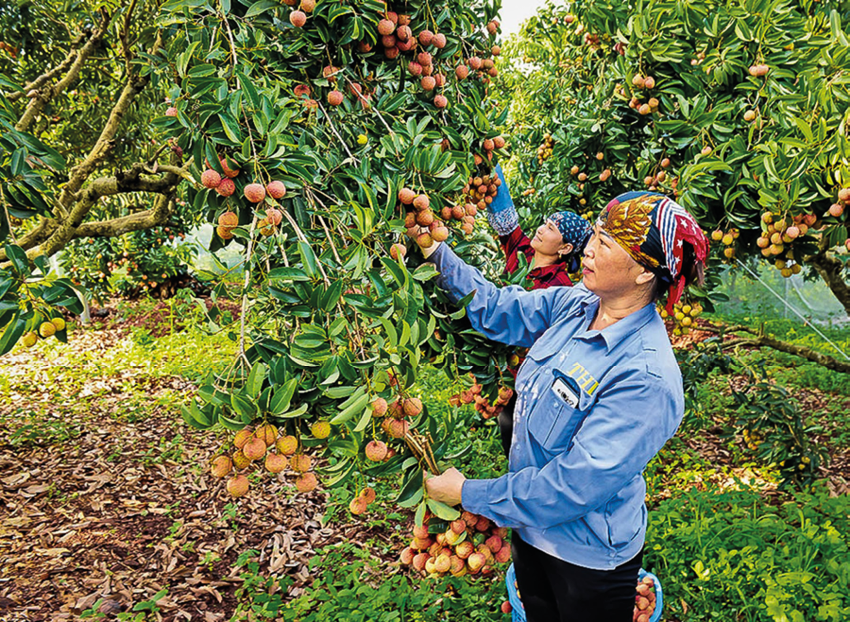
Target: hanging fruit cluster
{"points": [[43, 329], [482, 404], [778, 235], [544, 151], [264, 445], [684, 316], [727, 238], [421, 215], [471, 545], [643, 83]]}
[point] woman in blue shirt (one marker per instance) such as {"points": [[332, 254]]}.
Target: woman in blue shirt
{"points": [[598, 396]]}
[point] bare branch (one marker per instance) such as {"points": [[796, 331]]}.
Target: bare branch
{"points": [[37, 104]]}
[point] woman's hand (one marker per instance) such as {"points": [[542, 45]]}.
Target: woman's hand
{"points": [[446, 487]]}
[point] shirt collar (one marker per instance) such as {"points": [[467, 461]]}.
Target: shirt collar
{"points": [[616, 332]]}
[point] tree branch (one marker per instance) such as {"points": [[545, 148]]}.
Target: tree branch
{"points": [[49, 75], [761, 340], [37, 104]]}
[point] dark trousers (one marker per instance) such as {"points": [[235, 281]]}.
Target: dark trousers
{"points": [[506, 424], [553, 590]]}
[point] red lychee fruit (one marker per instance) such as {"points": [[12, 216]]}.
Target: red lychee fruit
{"points": [[273, 216], [379, 406], [504, 554], [494, 543], [407, 556], [440, 101], [506, 607], [226, 188], [335, 98], [255, 193], [499, 142], [221, 466], [243, 435], [428, 83], [412, 406], [419, 561], [424, 59], [368, 495], [425, 37], [462, 72], [229, 219], [210, 178], [406, 196], [237, 485], [276, 190], [276, 463], [421, 202], [308, 5], [414, 68], [475, 63], [396, 251], [844, 195], [376, 451], [439, 41], [488, 144], [298, 18], [385, 27], [300, 463], [267, 433], [239, 459], [254, 449], [357, 506], [306, 482]]}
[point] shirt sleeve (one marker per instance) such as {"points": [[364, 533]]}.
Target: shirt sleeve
{"points": [[509, 315], [629, 424], [512, 244]]}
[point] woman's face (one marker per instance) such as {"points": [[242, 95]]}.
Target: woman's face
{"points": [[547, 240], [608, 270]]}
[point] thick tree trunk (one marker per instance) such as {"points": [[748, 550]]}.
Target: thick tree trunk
{"points": [[830, 269]]}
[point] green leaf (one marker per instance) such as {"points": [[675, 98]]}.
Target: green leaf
{"points": [[14, 330], [412, 484], [283, 396], [18, 257], [294, 413], [261, 7], [256, 379], [308, 258], [425, 272], [356, 406], [244, 407], [441, 510], [364, 419]]}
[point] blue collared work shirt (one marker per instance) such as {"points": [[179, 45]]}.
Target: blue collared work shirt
{"points": [[593, 408]]}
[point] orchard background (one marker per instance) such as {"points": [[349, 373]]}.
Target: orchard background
{"points": [[210, 217]]}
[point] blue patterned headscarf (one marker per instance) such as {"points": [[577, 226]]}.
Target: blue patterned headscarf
{"points": [[574, 230]]}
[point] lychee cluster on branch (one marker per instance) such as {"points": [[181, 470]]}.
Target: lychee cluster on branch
{"points": [[471, 545], [264, 445]]}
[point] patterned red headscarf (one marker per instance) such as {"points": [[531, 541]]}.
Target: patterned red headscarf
{"points": [[653, 230]]}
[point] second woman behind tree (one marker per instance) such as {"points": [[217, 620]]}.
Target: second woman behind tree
{"points": [[554, 253]]}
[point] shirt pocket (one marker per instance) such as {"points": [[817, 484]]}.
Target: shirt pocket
{"points": [[552, 422]]}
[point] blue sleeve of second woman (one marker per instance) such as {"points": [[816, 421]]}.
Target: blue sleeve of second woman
{"points": [[509, 315]]}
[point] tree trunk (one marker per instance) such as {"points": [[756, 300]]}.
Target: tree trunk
{"points": [[830, 268]]}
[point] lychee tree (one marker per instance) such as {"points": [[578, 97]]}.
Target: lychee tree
{"points": [[740, 111], [329, 140]]}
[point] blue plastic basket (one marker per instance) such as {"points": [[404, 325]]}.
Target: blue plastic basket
{"points": [[518, 611], [659, 595]]}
